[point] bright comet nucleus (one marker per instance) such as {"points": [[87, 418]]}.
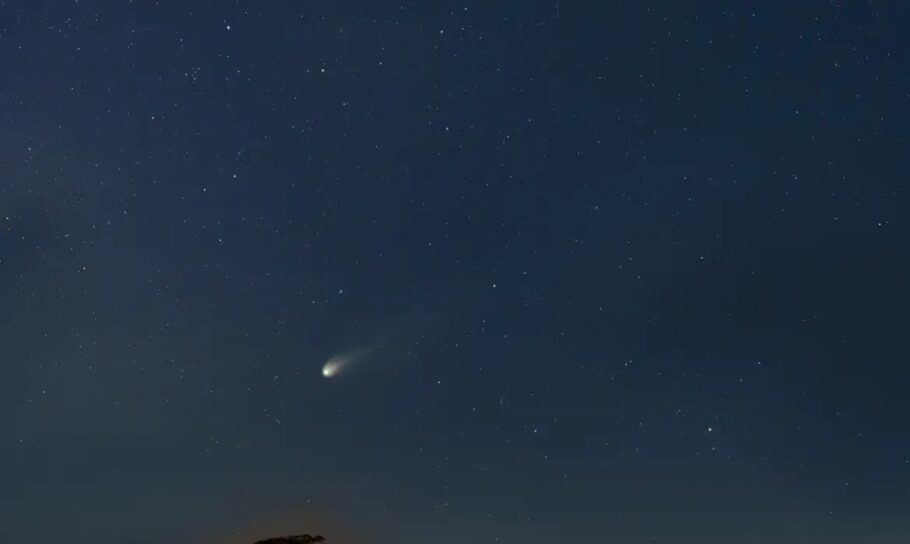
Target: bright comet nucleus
{"points": [[335, 365], [331, 368], [342, 361]]}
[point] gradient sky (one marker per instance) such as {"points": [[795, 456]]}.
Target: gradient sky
{"points": [[626, 272]]}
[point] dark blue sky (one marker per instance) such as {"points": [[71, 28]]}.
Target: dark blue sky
{"points": [[627, 272]]}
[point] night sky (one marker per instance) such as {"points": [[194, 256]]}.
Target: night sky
{"points": [[584, 272]]}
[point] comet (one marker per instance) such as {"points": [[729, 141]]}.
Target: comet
{"points": [[332, 367], [389, 345], [340, 362]]}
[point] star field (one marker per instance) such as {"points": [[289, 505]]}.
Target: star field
{"points": [[415, 272]]}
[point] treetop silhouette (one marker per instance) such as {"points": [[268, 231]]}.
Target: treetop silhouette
{"points": [[293, 539]]}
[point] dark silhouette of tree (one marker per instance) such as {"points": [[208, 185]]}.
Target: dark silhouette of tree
{"points": [[294, 539]]}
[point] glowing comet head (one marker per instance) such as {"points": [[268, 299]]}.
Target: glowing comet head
{"points": [[332, 368], [340, 362]]}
